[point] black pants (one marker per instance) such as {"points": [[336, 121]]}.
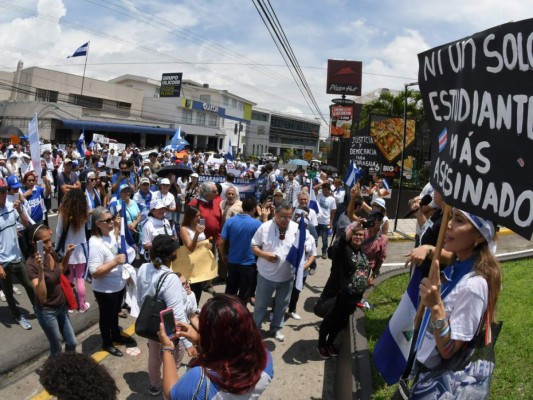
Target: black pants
{"points": [[337, 318], [197, 289], [241, 281], [295, 295], [17, 269], [110, 305]]}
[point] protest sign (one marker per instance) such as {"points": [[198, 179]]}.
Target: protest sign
{"points": [[118, 147], [247, 187], [97, 138], [198, 266], [112, 161], [478, 99]]}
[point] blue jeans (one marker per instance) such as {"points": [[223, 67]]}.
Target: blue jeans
{"points": [[56, 325], [263, 294], [322, 231]]}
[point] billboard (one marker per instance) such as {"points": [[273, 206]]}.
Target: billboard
{"points": [[380, 149], [341, 121], [170, 84], [344, 77]]}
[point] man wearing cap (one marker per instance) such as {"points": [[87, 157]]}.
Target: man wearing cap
{"points": [[19, 152], [13, 165], [67, 180], [11, 263], [124, 176], [156, 224], [25, 165], [167, 198], [14, 194], [143, 197], [136, 157]]}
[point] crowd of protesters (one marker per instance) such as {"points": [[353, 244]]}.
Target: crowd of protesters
{"points": [[250, 237]]}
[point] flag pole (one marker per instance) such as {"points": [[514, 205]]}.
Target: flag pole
{"points": [[85, 67]]}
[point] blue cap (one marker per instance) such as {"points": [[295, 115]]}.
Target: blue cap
{"points": [[123, 187], [13, 182]]}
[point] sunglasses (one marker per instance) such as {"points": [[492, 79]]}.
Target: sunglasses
{"points": [[91, 180], [107, 221]]}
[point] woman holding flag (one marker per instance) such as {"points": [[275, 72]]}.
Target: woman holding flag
{"points": [[458, 305], [106, 267]]}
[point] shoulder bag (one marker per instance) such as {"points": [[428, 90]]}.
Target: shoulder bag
{"points": [[68, 291], [147, 323]]}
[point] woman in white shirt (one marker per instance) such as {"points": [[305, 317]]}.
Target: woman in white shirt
{"points": [[71, 222], [108, 283]]}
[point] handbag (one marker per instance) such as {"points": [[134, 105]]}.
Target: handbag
{"points": [[331, 248], [324, 305], [147, 323], [68, 291]]}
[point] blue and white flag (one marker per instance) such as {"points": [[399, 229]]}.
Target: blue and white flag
{"points": [[81, 51], [81, 147], [127, 244], [177, 136], [295, 257], [313, 204], [352, 176], [392, 349], [385, 184], [229, 154], [35, 148]]}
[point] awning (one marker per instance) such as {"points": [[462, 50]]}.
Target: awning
{"points": [[112, 127]]}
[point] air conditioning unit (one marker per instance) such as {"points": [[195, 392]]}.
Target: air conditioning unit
{"points": [[156, 95]]}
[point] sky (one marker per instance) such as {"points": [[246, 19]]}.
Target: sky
{"points": [[226, 44]]}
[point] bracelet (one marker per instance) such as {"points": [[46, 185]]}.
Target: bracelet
{"points": [[445, 331], [169, 349], [430, 252]]}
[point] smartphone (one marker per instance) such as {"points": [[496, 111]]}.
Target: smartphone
{"points": [[202, 221], [167, 318], [40, 248]]}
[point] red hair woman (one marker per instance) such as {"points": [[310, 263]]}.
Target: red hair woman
{"points": [[231, 356]]}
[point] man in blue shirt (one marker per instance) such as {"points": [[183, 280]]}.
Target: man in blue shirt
{"points": [[11, 263], [124, 176], [236, 238]]}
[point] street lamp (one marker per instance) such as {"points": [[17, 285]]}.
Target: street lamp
{"points": [[238, 130]]}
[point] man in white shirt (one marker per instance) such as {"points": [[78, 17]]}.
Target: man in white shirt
{"points": [[271, 244], [326, 215], [167, 198], [292, 187]]}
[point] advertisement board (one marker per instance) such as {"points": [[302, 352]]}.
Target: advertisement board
{"points": [[344, 77], [341, 121], [170, 84]]}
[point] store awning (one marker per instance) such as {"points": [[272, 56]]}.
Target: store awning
{"points": [[112, 127]]}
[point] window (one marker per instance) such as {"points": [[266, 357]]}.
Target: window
{"points": [[200, 118], [186, 116], [46, 95], [205, 98], [89, 102], [234, 103], [240, 105], [225, 100], [253, 148], [212, 119]]}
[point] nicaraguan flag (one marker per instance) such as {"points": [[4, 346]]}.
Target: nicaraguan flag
{"points": [[443, 139], [392, 349], [352, 176], [177, 136], [81, 51], [229, 154], [81, 147], [91, 145], [313, 204], [127, 244], [296, 254], [385, 184]]}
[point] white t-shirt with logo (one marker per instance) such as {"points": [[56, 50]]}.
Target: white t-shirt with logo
{"points": [[327, 205]]}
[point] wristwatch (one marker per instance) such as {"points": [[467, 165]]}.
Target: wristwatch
{"points": [[439, 324]]}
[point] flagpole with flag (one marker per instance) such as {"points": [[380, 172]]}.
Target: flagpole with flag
{"points": [[80, 145], [127, 244], [352, 176], [295, 257], [229, 154], [81, 51]]}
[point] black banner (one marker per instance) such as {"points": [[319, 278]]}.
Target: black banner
{"points": [[171, 85], [478, 98]]}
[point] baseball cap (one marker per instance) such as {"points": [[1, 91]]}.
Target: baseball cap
{"points": [[380, 202], [146, 168], [157, 205], [67, 160], [194, 175], [13, 156], [100, 164], [144, 180], [26, 155], [124, 186], [277, 191], [164, 181], [13, 182]]}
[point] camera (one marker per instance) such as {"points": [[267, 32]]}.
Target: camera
{"points": [[369, 224]]}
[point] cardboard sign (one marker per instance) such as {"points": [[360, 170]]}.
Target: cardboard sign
{"points": [[112, 161], [118, 147], [46, 147], [478, 101], [100, 138]]}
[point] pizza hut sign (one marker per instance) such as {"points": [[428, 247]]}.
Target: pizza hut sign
{"points": [[344, 77]]}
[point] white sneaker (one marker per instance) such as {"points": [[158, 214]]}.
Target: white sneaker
{"points": [[280, 337], [2, 295], [16, 290], [294, 315], [87, 306]]}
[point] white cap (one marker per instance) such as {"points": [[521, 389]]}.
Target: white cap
{"points": [[164, 181], [157, 204]]}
